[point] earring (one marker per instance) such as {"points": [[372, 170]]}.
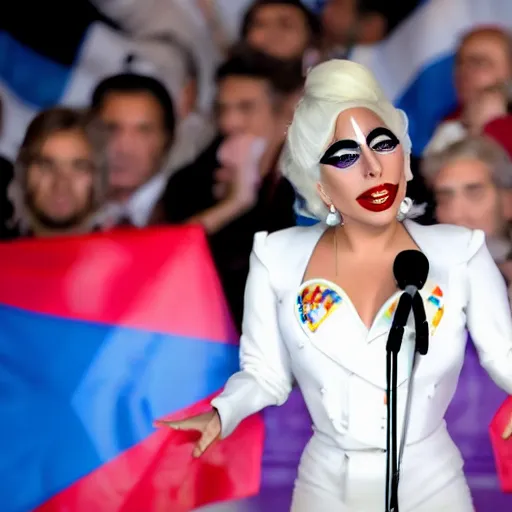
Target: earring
{"points": [[333, 218], [405, 208]]}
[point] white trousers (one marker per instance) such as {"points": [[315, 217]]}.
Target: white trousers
{"points": [[334, 480]]}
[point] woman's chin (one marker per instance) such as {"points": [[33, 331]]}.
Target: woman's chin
{"points": [[378, 219]]}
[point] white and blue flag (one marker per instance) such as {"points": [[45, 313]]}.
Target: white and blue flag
{"points": [[58, 59], [415, 64], [71, 46], [61, 58]]}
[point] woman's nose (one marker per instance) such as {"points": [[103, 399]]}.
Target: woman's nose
{"points": [[372, 167]]}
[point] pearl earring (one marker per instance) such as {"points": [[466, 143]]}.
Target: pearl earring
{"points": [[405, 208], [333, 217]]}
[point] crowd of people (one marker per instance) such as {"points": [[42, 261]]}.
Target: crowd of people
{"points": [[143, 155]]}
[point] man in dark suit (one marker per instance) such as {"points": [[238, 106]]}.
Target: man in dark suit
{"points": [[234, 188]]}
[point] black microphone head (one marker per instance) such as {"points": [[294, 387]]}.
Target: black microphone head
{"points": [[411, 269]]}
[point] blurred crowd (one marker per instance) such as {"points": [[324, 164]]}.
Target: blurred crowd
{"points": [[159, 148]]}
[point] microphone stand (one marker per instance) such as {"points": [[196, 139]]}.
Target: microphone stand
{"points": [[394, 344], [410, 299]]}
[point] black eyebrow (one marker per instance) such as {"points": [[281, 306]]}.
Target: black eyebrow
{"points": [[337, 146], [376, 132]]}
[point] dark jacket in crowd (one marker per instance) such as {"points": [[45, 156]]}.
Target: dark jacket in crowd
{"points": [[190, 191]]}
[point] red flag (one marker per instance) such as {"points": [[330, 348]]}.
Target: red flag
{"points": [[101, 335], [502, 447]]}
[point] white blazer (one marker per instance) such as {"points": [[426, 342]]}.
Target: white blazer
{"points": [[312, 332]]}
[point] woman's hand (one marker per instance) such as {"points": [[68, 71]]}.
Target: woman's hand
{"points": [[208, 424], [507, 433]]}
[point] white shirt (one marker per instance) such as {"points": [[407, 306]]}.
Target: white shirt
{"points": [[339, 364]]}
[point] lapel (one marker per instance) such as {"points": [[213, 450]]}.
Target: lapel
{"points": [[331, 324], [433, 300]]}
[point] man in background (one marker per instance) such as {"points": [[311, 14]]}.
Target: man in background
{"points": [[472, 184], [234, 188], [140, 117], [60, 175]]}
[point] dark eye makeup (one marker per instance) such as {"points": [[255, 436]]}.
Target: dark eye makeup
{"points": [[382, 140], [345, 153]]}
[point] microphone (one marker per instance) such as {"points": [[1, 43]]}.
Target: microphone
{"points": [[410, 269]]}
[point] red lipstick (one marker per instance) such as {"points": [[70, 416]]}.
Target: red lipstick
{"points": [[378, 199]]}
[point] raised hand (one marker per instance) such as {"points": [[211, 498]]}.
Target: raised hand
{"points": [[208, 424], [240, 157]]}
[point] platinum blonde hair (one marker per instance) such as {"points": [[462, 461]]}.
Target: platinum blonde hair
{"points": [[331, 88]]}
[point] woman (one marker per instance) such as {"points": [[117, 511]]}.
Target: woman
{"points": [[320, 302]]}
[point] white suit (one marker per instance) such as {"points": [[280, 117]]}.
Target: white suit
{"points": [[340, 366]]}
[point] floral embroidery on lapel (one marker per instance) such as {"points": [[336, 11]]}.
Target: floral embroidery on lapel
{"points": [[434, 307], [435, 302], [315, 303]]}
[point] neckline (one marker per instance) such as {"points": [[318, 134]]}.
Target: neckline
{"points": [[322, 228], [345, 296]]}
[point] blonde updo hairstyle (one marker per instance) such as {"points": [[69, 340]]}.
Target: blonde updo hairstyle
{"points": [[331, 88]]}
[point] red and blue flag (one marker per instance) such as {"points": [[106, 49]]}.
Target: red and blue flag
{"points": [[101, 335]]}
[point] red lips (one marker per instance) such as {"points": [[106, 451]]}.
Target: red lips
{"points": [[378, 199]]}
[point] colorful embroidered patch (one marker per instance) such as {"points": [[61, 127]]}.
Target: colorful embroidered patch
{"points": [[435, 301], [437, 317], [391, 310], [434, 307], [315, 303]]}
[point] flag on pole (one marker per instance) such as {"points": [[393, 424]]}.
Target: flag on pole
{"points": [[101, 335]]}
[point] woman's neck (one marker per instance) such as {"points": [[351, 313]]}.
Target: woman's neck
{"points": [[363, 239]]}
